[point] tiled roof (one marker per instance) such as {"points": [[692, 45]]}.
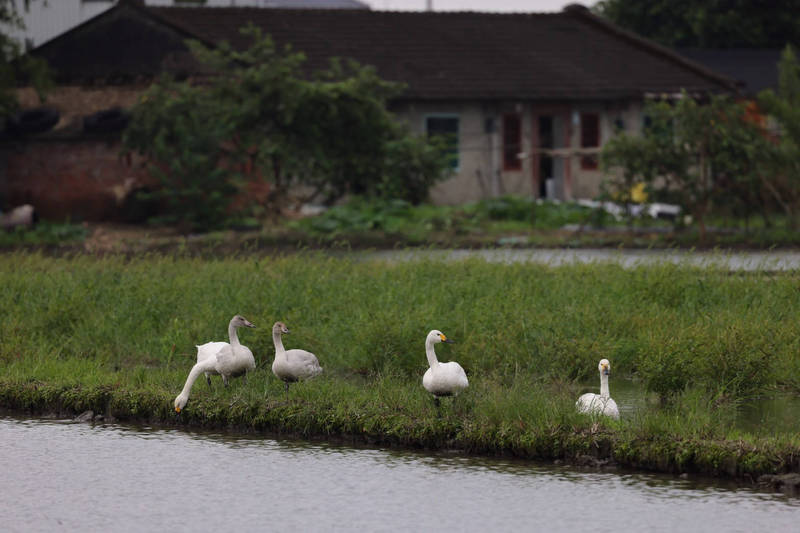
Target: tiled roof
{"points": [[571, 54], [447, 55]]}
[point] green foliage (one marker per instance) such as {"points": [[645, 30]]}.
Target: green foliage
{"points": [[709, 24], [44, 233], [700, 156], [419, 222], [784, 107], [16, 67], [180, 129], [260, 117], [413, 165]]}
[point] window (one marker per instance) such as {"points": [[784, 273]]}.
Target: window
{"points": [[445, 127], [512, 134], [590, 138]]}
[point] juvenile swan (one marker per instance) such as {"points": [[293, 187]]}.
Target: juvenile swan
{"points": [[442, 379], [292, 365], [226, 359], [599, 403]]}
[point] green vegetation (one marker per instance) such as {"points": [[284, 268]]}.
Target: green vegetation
{"points": [[419, 224], [117, 335], [709, 24], [716, 159], [14, 66], [43, 233], [709, 159], [260, 129]]}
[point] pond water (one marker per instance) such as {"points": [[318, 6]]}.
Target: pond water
{"points": [[739, 261], [772, 413], [66, 476]]}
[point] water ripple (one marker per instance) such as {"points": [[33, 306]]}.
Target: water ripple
{"points": [[67, 476]]}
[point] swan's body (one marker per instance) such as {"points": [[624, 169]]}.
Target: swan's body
{"points": [[223, 358], [602, 403], [292, 365], [442, 379], [209, 349]]}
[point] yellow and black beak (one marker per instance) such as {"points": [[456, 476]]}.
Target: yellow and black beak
{"points": [[445, 339]]}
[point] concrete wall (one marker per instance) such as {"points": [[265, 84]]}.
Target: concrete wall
{"points": [[480, 172]]}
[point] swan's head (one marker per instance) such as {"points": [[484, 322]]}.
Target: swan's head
{"points": [[280, 328], [604, 367], [436, 336], [180, 403], [240, 321]]}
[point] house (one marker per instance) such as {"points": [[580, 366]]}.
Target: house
{"points": [[528, 99]]}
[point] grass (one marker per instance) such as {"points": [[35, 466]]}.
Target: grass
{"points": [[117, 335]]}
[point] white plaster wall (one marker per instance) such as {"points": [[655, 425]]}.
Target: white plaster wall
{"points": [[480, 171], [471, 181], [588, 183]]}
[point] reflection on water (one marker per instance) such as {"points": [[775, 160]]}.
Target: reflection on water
{"points": [[69, 476], [775, 413]]}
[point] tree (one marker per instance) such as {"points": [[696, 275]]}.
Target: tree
{"points": [[13, 65], [701, 155], [261, 116], [784, 107], [709, 23]]}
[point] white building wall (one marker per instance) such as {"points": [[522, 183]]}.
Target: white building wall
{"points": [[480, 172]]}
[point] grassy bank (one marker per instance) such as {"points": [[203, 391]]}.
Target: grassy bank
{"points": [[117, 336]]}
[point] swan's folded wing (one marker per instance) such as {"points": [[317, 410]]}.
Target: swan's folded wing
{"points": [[209, 349], [305, 363], [224, 354]]}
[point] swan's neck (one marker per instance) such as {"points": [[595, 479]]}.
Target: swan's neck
{"points": [[432, 361], [197, 369], [604, 385], [276, 339], [233, 336]]}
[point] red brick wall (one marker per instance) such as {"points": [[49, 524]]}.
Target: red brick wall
{"points": [[80, 179], [66, 173]]}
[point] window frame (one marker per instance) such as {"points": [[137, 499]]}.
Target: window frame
{"points": [[455, 164]]}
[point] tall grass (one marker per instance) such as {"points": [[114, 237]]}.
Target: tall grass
{"points": [[672, 326], [123, 331]]}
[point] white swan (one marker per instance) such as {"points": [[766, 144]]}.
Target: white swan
{"points": [[442, 379], [209, 349], [599, 403], [292, 365], [226, 359]]}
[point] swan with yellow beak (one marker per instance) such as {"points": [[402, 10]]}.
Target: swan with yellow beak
{"points": [[442, 379]]}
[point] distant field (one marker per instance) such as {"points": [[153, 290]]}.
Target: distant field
{"points": [[118, 334]]}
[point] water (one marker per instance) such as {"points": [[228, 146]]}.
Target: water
{"points": [[738, 261], [64, 476], [772, 413]]}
